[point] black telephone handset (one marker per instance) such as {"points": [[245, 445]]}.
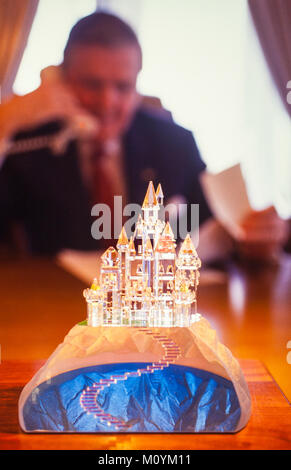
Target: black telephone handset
{"points": [[78, 127], [56, 141]]}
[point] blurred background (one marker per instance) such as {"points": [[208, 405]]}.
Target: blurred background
{"points": [[210, 64]]}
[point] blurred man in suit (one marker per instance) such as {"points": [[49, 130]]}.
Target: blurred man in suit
{"points": [[118, 148], [114, 147]]}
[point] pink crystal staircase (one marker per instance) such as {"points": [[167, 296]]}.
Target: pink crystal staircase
{"points": [[88, 399]]}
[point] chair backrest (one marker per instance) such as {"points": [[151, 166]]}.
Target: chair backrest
{"points": [[155, 105]]}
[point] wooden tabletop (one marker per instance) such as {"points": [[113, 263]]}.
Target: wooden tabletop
{"points": [[250, 308]]}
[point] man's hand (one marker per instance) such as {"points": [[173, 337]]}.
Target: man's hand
{"points": [[263, 233], [52, 100]]}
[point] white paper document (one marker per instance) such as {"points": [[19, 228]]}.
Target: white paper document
{"points": [[227, 197]]}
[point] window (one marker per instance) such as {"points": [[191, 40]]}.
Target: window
{"points": [[203, 59], [52, 24]]}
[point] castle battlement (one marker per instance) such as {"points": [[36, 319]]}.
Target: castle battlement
{"points": [[144, 281]]}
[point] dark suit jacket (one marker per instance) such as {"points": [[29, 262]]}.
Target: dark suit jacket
{"points": [[47, 195]]}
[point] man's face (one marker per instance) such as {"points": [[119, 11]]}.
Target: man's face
{"points": [[103, 80]]}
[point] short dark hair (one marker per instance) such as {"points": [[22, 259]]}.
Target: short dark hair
{"points": [[101, 28]]}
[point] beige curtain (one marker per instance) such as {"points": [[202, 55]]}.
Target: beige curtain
{"points": [[272, 20], [16, 17]]}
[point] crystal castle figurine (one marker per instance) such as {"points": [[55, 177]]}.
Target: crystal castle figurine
{"points": [[143, 282], [167, 373]]}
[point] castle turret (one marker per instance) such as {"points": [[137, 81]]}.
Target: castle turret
{"points": [[150, 208], [131, 248], [94, 299], [165, 254], [148, 262], [164, 274], [122, 246], [110, 280], [186, 279], [160, 195]]}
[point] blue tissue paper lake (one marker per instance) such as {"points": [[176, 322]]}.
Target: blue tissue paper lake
{"points": [[176, 399]]}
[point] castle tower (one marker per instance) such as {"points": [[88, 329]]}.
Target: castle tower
{"points": [[160, 195], [165, 254], [131, 248], [164, 274], [148, 263], [95, 304], [160, 224], [186, 281], [122, 246], [139, 235], [133, 258], [110, 277], [150, 208]]}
